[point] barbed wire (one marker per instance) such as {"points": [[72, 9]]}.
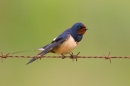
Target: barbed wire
{"points": [[71, 56]]}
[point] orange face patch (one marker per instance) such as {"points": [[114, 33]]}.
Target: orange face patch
{"points": [[81, 31]]}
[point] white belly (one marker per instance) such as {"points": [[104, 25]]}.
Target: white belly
{"points": [[66, 47]]}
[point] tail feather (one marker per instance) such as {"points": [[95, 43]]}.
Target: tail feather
{"points": [[33, 59], [48, 48]]}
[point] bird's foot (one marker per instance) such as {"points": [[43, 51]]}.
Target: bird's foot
{"points": [[72, 56], [63, 56]]}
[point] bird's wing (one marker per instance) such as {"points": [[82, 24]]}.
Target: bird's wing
{"points": [[52, 45], [58, 41]]}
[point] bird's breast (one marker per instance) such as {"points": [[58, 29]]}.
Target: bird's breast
{"points": [[67, 46]]}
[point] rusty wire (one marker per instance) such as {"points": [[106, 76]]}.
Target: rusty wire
{"points": [[74, 56]]}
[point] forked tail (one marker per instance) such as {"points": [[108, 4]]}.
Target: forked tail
{"points": [[33, 59]]}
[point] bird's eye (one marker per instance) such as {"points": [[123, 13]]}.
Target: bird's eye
{"points": [[80, 27]]}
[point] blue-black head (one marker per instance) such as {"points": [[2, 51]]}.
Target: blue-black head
{"points": [[78, 30]]}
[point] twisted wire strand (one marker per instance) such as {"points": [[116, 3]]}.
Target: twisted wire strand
{"points": [[75, 56], [72, 56]]}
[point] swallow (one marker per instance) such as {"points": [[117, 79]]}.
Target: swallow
{"points": [[65, 42]]}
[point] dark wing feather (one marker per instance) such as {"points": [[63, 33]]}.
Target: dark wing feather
{"points": [[51, 46]]}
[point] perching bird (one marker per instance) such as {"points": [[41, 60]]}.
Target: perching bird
{"points": [[65, 42]]}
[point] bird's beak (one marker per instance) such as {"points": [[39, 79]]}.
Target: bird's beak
{"points": [[86, 28]]}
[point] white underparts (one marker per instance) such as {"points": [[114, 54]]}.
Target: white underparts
{"points": [[67, 46]]}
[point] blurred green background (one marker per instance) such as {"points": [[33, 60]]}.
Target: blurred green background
{"points": [[30, 24]]}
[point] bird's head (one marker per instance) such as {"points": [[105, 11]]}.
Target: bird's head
{"points": [[79, 28]]}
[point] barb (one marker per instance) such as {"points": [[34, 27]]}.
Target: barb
{"points": [[72, 56], [4, 56], [108, 57]]}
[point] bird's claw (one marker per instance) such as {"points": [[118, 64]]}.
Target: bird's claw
{"points": [[72, 56], [63, 56]]}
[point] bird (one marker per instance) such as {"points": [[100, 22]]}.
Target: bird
{"points": [[65, 43]]}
